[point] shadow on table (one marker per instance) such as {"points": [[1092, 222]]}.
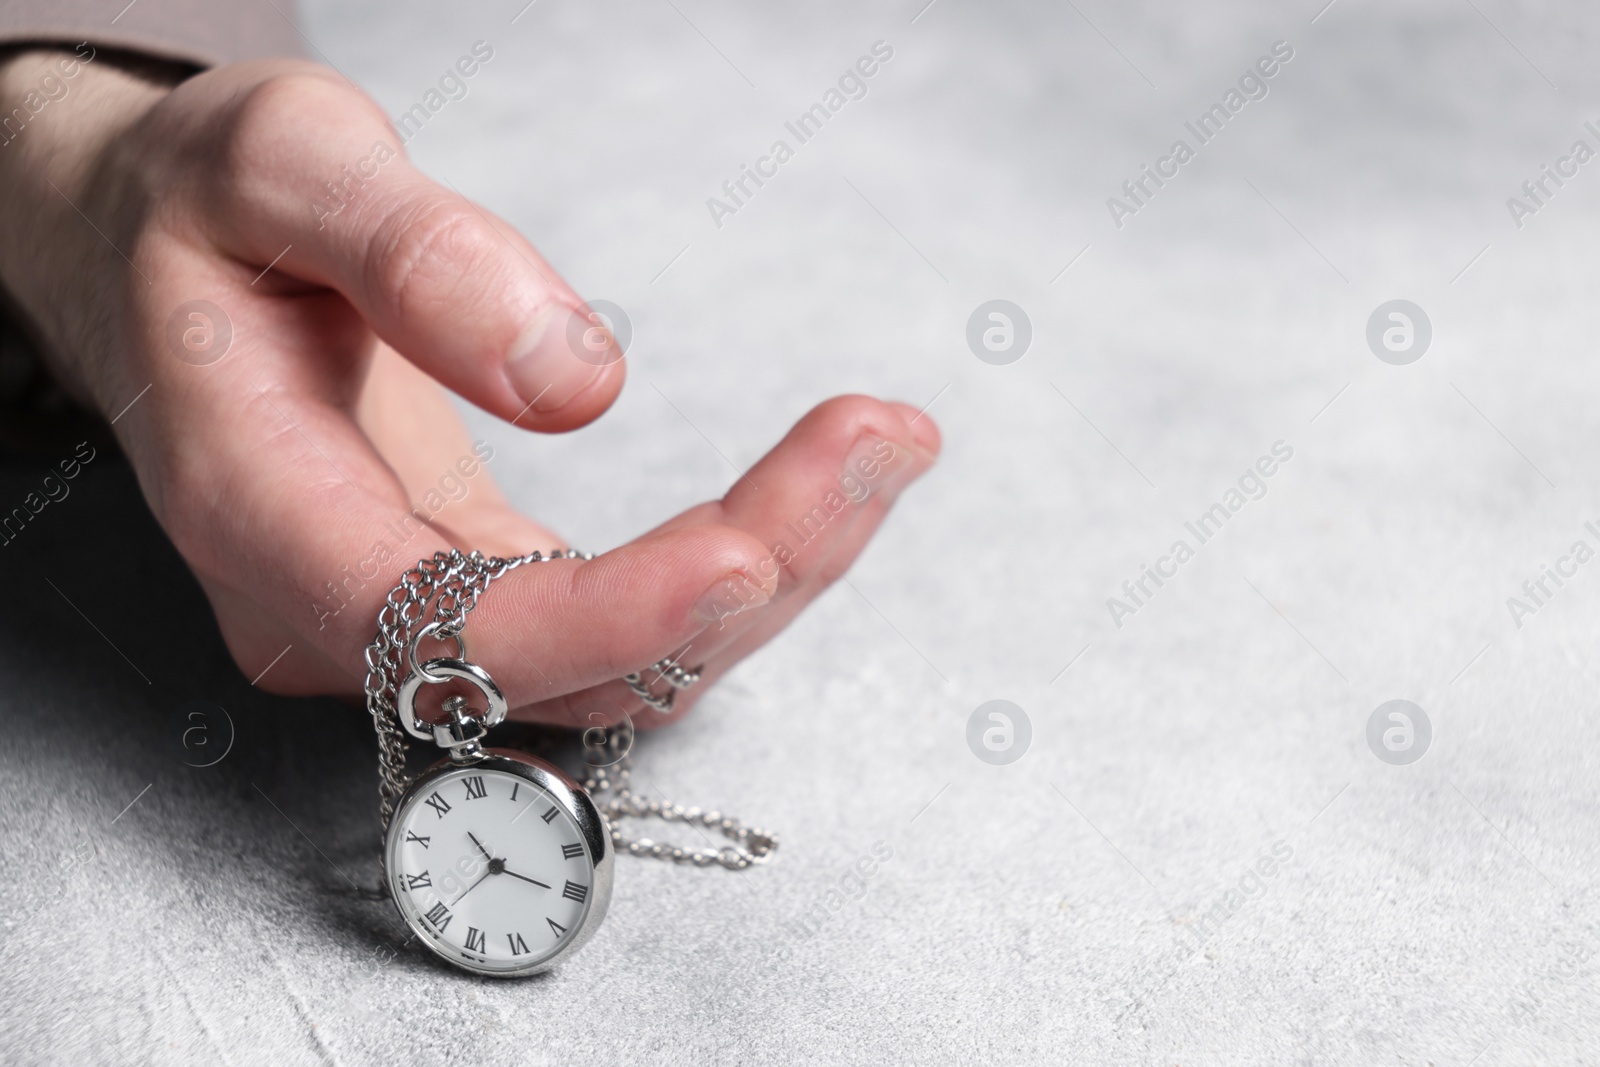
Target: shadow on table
{"points": [[114, 668], [115, 671]]}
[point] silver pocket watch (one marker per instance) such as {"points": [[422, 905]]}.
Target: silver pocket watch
{"points": [[499, 861]]}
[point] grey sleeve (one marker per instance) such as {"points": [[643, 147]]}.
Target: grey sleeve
{"points": [[205, 33]]}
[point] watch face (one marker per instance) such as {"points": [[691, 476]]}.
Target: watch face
{"points": [[499, 866]]}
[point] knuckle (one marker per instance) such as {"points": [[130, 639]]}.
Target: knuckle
{"points": [[288, 120], [291, 96], [422, 258]]}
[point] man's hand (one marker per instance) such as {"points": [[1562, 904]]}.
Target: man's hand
{"points": [[354, 288]]}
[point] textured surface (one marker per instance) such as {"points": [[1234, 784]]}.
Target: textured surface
{"points": [[1092, 902]]}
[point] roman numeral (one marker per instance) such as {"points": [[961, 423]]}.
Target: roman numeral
{"points": [[417, 881], [514, 787], [423, 841], [571, 852], [519, 947], [475, 787], [475, 941], [556, 927], [574, 891], [439, 916], [549, 816], [439, 804]]}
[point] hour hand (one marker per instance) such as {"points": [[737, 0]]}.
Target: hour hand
{"points": [[480, 847]]}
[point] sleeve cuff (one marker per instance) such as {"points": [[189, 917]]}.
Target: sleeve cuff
{"points": [[206, 33]]}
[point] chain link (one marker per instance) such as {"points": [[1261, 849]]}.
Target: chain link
{"points": [[452, 582], [751, 846], [677, 676]]}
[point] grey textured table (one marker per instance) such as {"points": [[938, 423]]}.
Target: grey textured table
{"points": [[1103, 899]]}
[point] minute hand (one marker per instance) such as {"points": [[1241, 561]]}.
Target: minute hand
{"points": [[525, 878]]}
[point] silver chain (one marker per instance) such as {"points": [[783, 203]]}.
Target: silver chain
{"points": [[750, 845], [452, 581], [677, 676]]}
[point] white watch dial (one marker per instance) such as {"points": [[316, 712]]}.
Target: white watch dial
{"points": [[490, 869]]}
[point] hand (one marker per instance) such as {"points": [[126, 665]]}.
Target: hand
{"points": [[479, 846], [292, 462], [498, 867], [471, 887], [525, 878]]}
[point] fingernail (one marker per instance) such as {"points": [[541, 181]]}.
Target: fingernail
{"points": [[543, 368], [729, 596], [874, 465]]}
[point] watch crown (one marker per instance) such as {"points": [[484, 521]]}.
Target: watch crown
{"points": [[462, 734]]}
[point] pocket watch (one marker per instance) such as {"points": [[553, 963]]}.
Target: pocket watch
{"points": [[498, 861]]}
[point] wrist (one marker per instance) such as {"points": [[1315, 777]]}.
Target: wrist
{"points": [[61, 113]]}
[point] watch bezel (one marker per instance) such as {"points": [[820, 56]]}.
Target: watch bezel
{"points": [[568, 795]]}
